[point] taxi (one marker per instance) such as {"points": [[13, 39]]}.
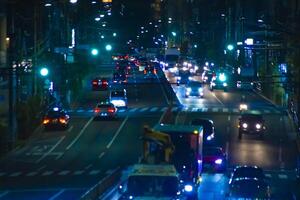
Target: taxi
{"points": [[56, 118]]}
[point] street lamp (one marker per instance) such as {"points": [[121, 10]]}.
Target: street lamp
{"points": [[108, 47], [94, 52], [230, 47], [44, 71]]}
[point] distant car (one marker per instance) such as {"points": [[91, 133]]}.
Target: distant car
{"points": [[105, 110], [208, 129], [207, 76], [150, 72], [245, 85], [123, 66], [100, 84], [56, 118], [219, 82], [119, 77], [248, 182], [214, 158], [118, 98], [252, 124], [194, 88]]}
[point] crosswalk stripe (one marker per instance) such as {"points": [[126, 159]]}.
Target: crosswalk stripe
{"points": [[65, 172], [90, 111], [2, 173], [225, 109], [164, 109], [79, 172], [133, 109], [282, 176], [154, 109], [80, 110], [215, 109], [15, 174], [144, 109], [194, 109], [235, 110], [268, 175], [47, 173], [120, 111], [204, 109], [32, 174], [174, 109], [94, 172]]}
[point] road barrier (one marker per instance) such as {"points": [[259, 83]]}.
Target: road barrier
{"points": [[107, 182]]}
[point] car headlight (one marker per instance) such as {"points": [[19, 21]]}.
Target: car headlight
{"points": [[166, 64], [213, 84], [178, 78], [219, 161], [225, 84], [210, 137], [258, 126], [188, 89], [188, 188], [200, 89], [245, 125], [190, 78]]}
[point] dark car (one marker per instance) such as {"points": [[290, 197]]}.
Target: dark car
{"points": [[207, 76], [105, 110], [214, 158], [252, 124], [208, 129], [119, 77], [248, 182], [56, 118], [194, 88], [100, 84], [219, 82]]}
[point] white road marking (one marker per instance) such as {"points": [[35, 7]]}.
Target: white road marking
{"points": [[225, 110], [90, 111], [39, 169], [59, 156], [47, 153], [79, 172], [63, 173], [154, 109], [268, 175], [32, 174], [282, 176], [174, 109], [101, 155], [235, 110], [94, 172], [80, 133], [215, 109], [229, 118], [204, 109], [80, 110], [47, 173], [117, 133], [3, 194], [70, 129], [144, 109], [120, 111], [218, 99], [15, 174], [57, 194], [133, 109], [89, 166], [2, 174], [194, 109]]}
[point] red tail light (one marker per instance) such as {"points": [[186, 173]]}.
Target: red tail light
{"points": [[111, 110], [96, 110], [154, 71], [95, 82], [145, 71], [105, 83]]}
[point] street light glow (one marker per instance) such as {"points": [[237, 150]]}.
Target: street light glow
{"points": [[174, 33], [114, 34], [94, 52], [108, 47], [44, 71], [73, 1], [230, 47]]}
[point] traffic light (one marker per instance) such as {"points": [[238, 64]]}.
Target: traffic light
{"points": [[230, 47], [94, 52], [44, 71], [108, 47]]}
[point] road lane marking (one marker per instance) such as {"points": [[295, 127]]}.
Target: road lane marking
{"points": [[57, 194], [47, 173], [89, 166], [218, 99], [32, 174], [282, 176], [94, 172], [70, 129], [194, 109], [47, 153], [133, 109], [154, 109], [59, 156], [15, 174], [164, 109], [79, 172], [117, 133], [229, 118], [4, 194], [101, 155], [235, 110], [39, 169], [63, 173], [204, 109], [268, 175], [225, 110], [2, 174], [144, 109], [174, 109], [215, 109], [80, 133]]}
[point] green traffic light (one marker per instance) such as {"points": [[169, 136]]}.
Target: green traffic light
{"points": [[230, 47], [108, 47], [94, 52], [44, 71]]}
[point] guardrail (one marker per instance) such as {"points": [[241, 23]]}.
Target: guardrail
{"points": [[107, 182]]}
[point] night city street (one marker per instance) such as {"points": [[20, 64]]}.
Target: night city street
{"points": [[149, 99]]}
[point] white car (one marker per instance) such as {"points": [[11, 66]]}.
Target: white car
{"points": [[118, 97]]}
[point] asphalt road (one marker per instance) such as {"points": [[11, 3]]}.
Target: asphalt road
{"points": [[64, 164]]}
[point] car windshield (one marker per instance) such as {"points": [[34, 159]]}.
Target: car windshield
{"points": [[158, 186], [117, 94], [249, 172]]}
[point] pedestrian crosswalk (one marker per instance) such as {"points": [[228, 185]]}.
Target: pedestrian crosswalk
{"points": [[47, 173], [153, 109]]}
